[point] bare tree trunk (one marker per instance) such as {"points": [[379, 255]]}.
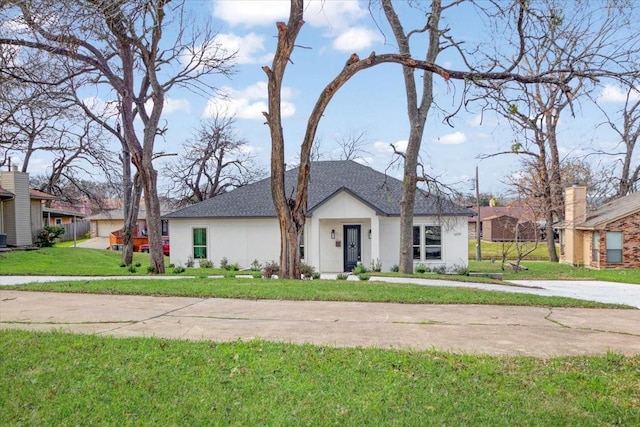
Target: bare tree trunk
{"points": [[131, 209]]}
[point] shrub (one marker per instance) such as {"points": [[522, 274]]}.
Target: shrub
{"points": [[359, 269], [364, 276], [123, 265], [342, 276], [172, 265], [270, 269], [151, 269], [460, 270], [233, 267], [178, 270], [205, 263], [394, 268], [306, 270], [315, 276], [421, 268], [138, 264], [255, 265], [47, 236], [132, 269], [190, 261], [376, 265], [224, 263], [441, 269]]}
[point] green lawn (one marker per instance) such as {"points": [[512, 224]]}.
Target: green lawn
{"points": [[494, 250], [67, 380]]}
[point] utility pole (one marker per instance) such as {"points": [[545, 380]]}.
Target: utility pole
{"points": [[478, 240]]}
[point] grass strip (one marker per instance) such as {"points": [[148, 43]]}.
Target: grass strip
{"points": [[315, 290], [62, 379]]}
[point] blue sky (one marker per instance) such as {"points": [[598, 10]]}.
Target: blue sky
{"points": [[373, 101]]}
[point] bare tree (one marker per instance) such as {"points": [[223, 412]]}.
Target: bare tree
{"points": [[123, 43], [352, 146], [587, 42], [624, 177], [215, 161], [291, 209]]}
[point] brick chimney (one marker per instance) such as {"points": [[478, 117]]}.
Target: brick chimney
{"points": [[575, 204]]}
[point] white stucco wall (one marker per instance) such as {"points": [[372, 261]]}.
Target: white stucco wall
{"points": [[240, 240]]}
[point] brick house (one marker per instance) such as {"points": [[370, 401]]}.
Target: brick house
{"points": [[607, 237]]}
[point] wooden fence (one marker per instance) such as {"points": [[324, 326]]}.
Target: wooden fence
{"points": [[81, 230]]}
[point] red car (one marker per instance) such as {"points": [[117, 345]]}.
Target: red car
{"points": [[165, 247]]}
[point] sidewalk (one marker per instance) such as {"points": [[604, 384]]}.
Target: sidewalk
{"points": [[495, 330]]}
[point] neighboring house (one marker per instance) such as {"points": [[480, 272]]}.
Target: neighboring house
{"points": [[52, 216], [607, 237], [107, 222], [353, 217], [500, 223], [20, 208]]}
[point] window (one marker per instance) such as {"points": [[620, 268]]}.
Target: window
{"points": [[432, 242], [58, 221], [165, 227], [200, 243], [301, 245], [595, 246], [614, 246], [416, 242], [427, 242]]}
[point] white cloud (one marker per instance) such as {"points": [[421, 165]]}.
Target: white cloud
{"points": [[248, 103], [356, 38], [172, 105], [251, 13], [611, 93], [452, 139], [101, 107], [249, 49], [385, 147], [318, 13]]}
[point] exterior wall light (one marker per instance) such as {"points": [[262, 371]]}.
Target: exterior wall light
{"points": [[333, 234]]}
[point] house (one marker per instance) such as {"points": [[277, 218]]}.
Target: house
{"points": [[502, 223], [353, 217], [606, 237], [20, 209], [109, 221]]}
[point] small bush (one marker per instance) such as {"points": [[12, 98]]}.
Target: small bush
{"points": [[138, 264], [205, 263], [394, 268], [440, 269], [460, 270], [46, 237], [255, 265], [342, 276], [233, 267], [123, 265], [307, 270], [421, 268], [376, 265], [190, 263], [359, 269], [316, 276], [178, 270], [172, 265], [364, 276], [151, 269], [132, 269], [270, 269], [224, 263]]}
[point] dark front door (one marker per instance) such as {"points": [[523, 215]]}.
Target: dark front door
{"points": [[351, 246]]}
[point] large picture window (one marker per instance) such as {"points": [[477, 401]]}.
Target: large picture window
{"points": [[614, 247], [200, 243], [427, 242]]}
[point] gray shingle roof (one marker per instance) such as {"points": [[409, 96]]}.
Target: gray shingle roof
{"points": [[612, 210], [375, 189]]}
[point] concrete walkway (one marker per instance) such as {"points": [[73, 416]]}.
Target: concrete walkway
{"points": [[496, 330]]}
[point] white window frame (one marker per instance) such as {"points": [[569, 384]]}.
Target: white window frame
{"points": [[206, 243], [423, 244], [618, 237]]}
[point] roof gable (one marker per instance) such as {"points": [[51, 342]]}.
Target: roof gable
{"points": [[378, 191]]}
